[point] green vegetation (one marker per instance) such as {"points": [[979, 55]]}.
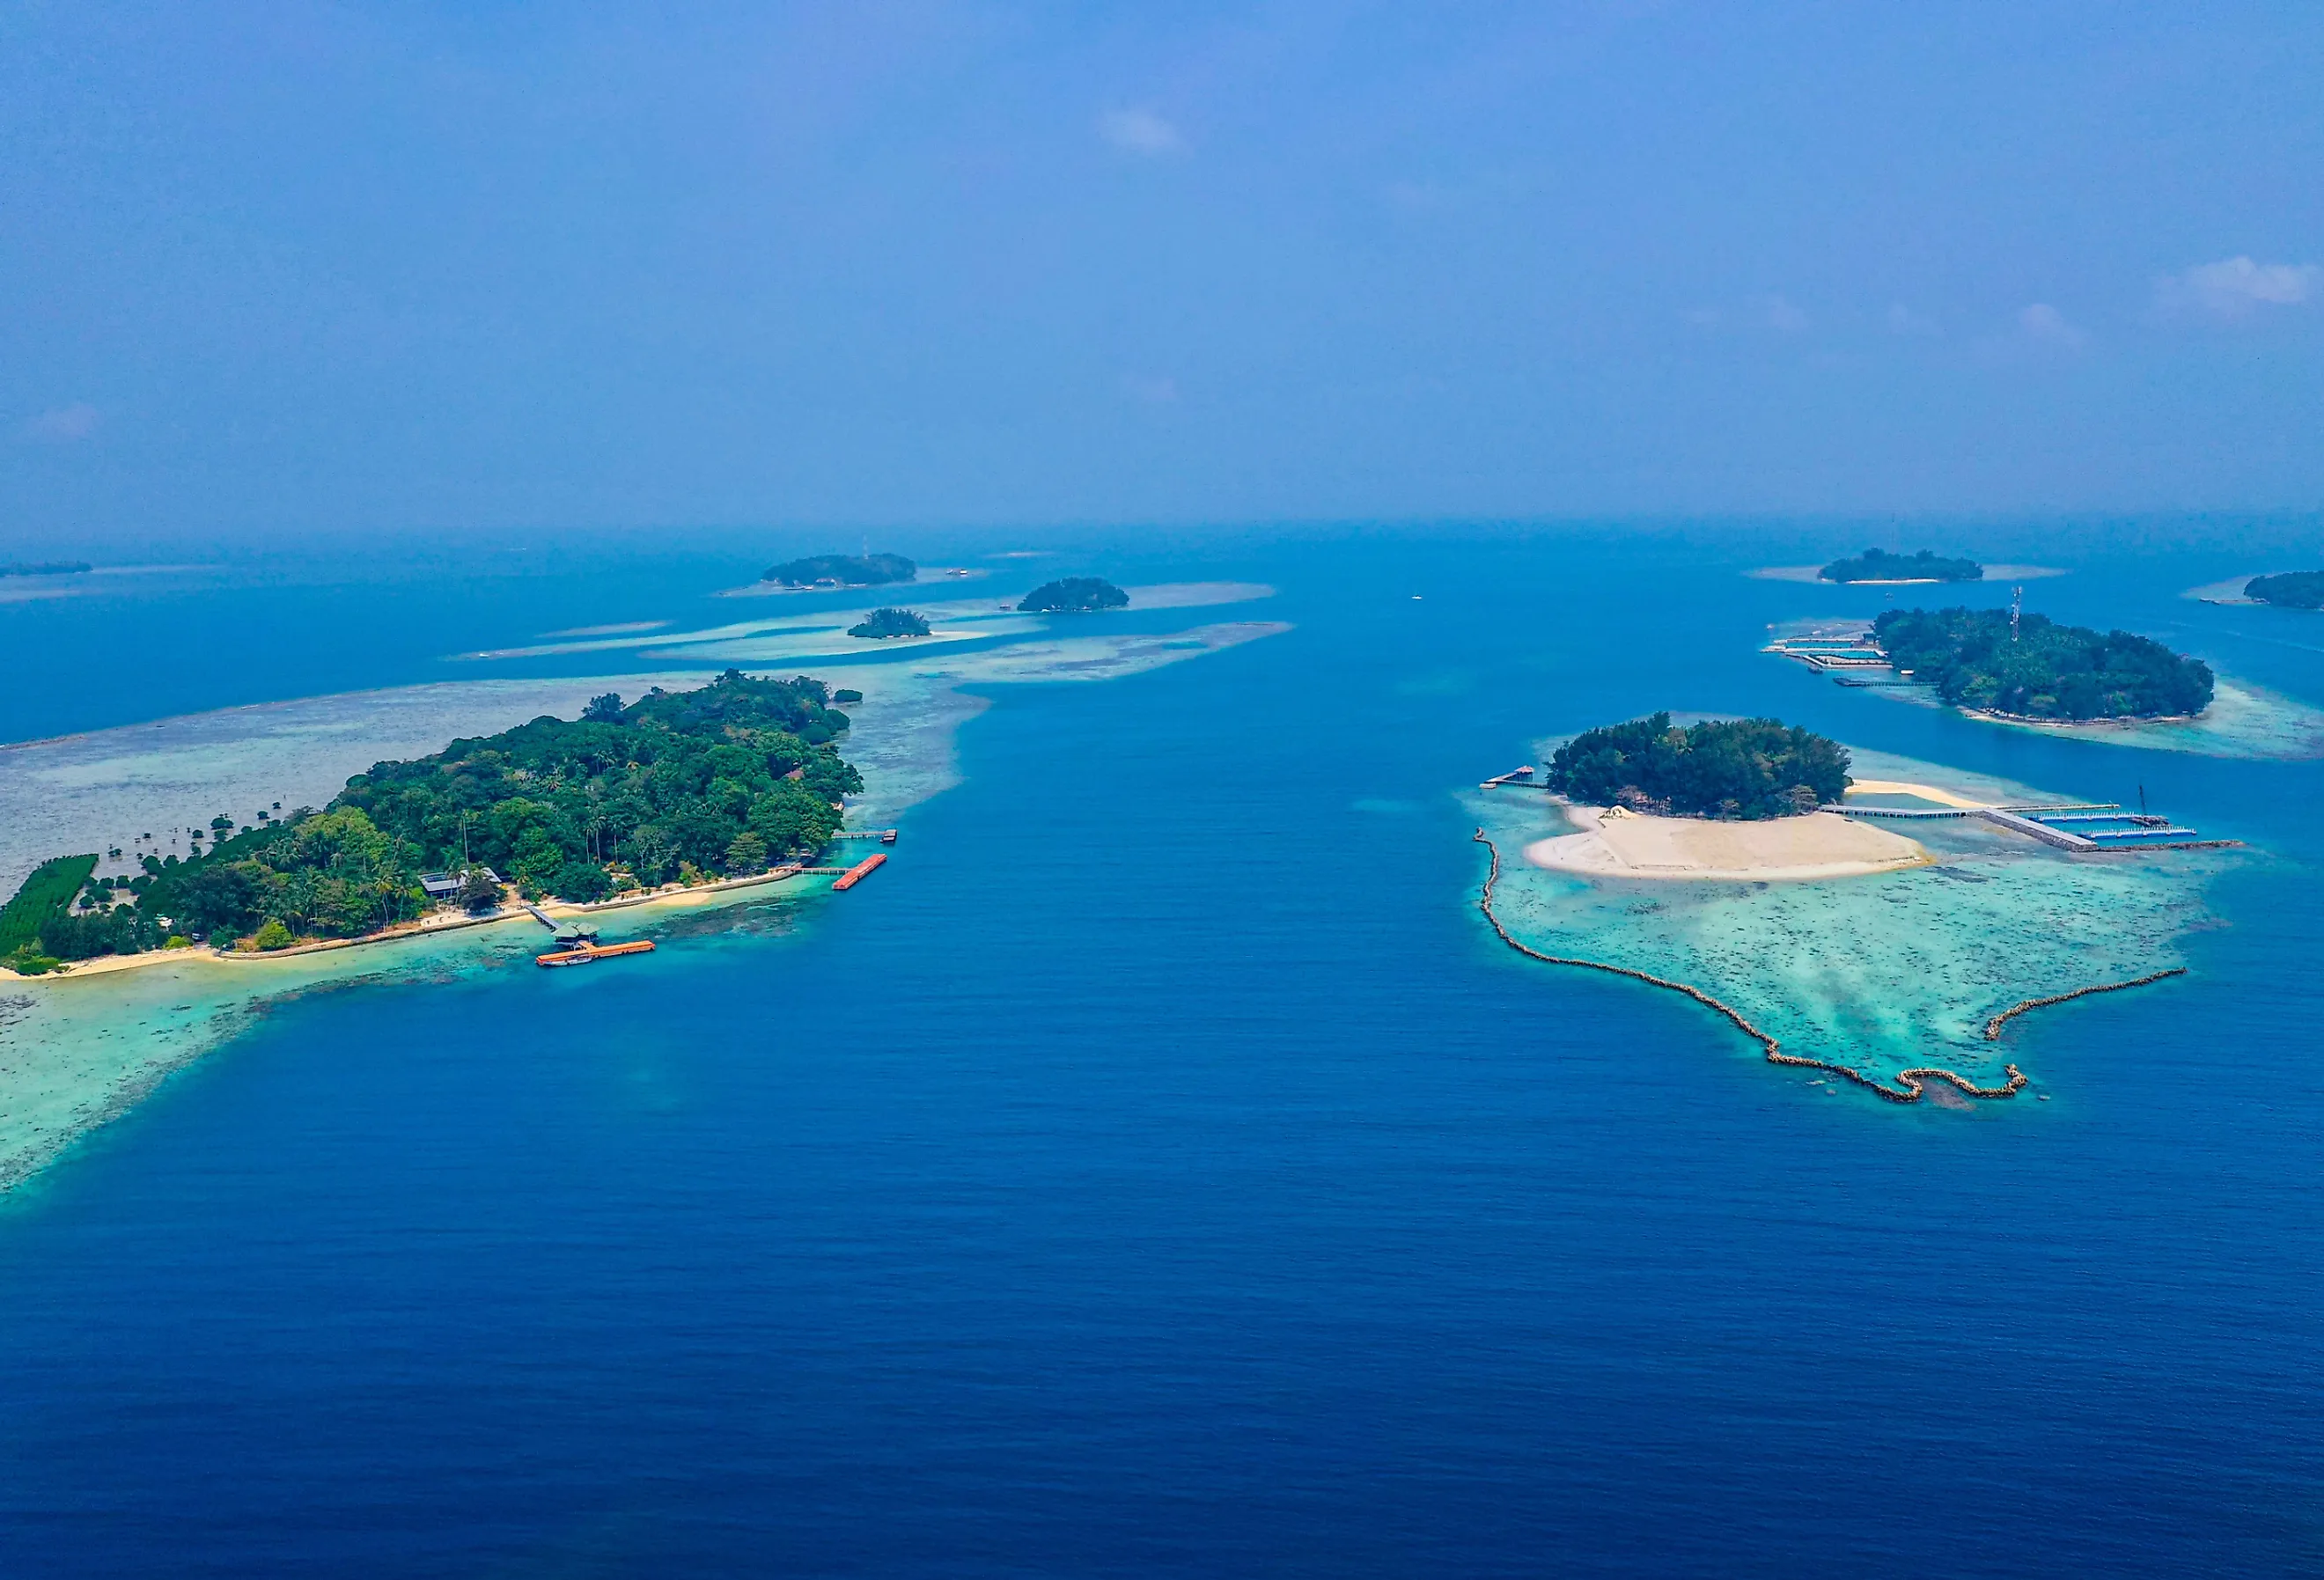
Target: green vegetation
{"points": [[48, 568], [1748, 768], [2295, 589], [843, 570], [1073, 594], [672, 785], [884, 624], [43, 898], [1879, 565], [843, 696], [2047, 670]]}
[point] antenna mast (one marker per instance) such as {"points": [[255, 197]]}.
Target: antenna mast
{"points": [[2016, 607]]}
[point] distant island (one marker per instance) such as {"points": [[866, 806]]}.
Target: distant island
{"points": [[677, 785], [1072, 595], [2046, 671], [843, 570], [1879, 565], [882, 624], [2296, 589], [1747, 768], [48, 568]]}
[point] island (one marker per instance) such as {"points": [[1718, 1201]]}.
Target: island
{"points": [[886, 624], [676, 786], [843, 570], [1986, 661], [48, 568], [2295, 589], [1072, 595], [1743, 768], [1877, 565], [1725, 799]]}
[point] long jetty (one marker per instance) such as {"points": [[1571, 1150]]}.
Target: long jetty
{"points": [[1911, 1084]]}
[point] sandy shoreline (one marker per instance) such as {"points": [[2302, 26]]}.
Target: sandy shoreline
{"points": [[669, 899], [1616, 844]]}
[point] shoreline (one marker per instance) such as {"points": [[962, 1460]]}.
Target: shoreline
{"points": [[675, 896], [1817, 845]]}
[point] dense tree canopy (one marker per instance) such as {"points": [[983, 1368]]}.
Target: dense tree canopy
{"points": [[1748, 768], [847, 570], [1072, 595], [881, 624], [2048, 670], [2294, 589], [675, 782], [1879, 565]]}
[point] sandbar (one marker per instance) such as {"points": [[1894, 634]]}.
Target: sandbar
{"points": [[1620, 843]]}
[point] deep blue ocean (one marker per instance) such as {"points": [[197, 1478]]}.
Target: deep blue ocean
{"points": [[1159, 1168]]}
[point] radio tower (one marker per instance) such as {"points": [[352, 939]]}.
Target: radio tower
{"points": [[2016, 607]]}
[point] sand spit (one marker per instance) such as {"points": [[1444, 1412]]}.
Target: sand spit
{"points": [[1619, 844]]}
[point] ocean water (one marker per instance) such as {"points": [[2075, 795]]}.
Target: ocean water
{"points": [[1159, 1168]]}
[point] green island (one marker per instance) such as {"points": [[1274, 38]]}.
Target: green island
{"points": [[885, 625], [1072, 595], [843, 570], [2294, 589], [1743, 768], [2041, 670], [676, 786], [48, 568], [1879, 565]]}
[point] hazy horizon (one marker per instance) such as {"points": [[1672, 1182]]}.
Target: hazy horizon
{"points": [[358, 271]]}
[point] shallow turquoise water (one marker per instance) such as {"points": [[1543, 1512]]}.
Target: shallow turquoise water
{"points": [[1158, 1168]]}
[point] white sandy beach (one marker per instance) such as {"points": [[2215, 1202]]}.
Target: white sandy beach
{"points": [[1619, 844]]}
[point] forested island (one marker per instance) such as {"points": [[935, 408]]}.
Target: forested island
{"points": [[48, 568], [2295, 589], [1072, 595], [676, 785], [843, 570], [1744, 768], [883, 625], [2042, 670], [1879, 565]]}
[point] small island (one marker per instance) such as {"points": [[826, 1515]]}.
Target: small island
{"points": [[677, 786], [1744, 768], [843, 570], [1722, 801], [2295, 589], [48, 568], [1072, 595], [1877, 565], [2039, 669], [886, 624]]}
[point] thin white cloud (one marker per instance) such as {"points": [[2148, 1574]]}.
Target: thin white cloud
{"points": [[1784, 318], [1140, 132], [1904, 320], [2234, 289], [65, 425], [2045, 324]]}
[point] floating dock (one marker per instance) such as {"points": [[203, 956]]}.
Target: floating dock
{"points": [[859, 871], [587, 951]]}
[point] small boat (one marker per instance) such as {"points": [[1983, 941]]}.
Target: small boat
{"points": [[584, 951]]}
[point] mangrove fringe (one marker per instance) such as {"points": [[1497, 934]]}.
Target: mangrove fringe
{"points": [[1912, 1083]]}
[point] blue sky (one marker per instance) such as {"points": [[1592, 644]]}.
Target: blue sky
{"points": [[364, 268]]}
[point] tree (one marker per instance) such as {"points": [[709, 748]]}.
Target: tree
{"points": [[478, 891], [582, 882], [272, 936], [746, 853], [603, 710]]}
